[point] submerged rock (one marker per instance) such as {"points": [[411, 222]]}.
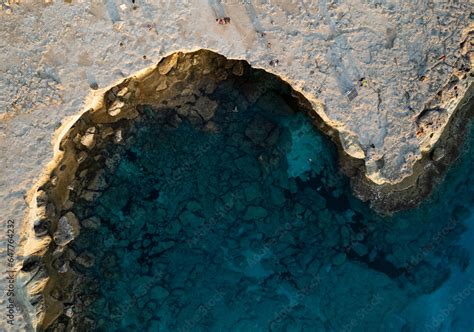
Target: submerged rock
{"points": [[438, 154], [206, 108], [92, 222], [360, 249], [255, 212], [86, 259], [158, 293], [190, 219], [260, 130], [339, 259]]}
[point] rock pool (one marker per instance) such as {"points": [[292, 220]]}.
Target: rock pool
{"points": [[246, 224]]}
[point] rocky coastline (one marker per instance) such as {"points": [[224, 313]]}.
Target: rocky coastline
{"points": [[183, 81]]}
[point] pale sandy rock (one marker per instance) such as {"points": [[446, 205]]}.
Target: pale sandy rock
{"points": [[88, 140], [162, 86], [115, 108], [118, 136], [167, 65], [123, 92]]}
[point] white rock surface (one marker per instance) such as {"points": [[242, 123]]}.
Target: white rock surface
{"points": [[52, 53]]}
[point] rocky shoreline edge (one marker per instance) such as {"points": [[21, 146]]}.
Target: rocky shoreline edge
{"points": [[47, 282], [441, 131], [427, 172]]}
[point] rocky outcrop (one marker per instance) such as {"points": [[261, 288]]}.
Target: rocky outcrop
{"points": [[82, 161], [182, 81], [67, 229], [441, 129]]}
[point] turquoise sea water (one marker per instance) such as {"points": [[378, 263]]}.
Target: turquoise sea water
{"points": [[249, 226]]}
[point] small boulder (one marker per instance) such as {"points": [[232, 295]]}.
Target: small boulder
{"points": [[277, 196], [168, 63], [64, 268], [67, 230], [158, 293], [339, 259], [360, 249], [259, 131], [106, 132], [99, 182], [189, 219], [252, 192], [206, 108], [81, 157], [438, 154], [88, 140], [255, 212], [123, 92], [86, 260], [193, 206], [173, 227], [118, 136], [92, 223], [162, 86], [115, 108]]}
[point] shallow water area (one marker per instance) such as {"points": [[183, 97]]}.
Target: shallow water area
{"points": [[246, 224]]}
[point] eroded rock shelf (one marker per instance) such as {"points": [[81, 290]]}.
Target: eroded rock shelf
{"points": [[180, 90]]}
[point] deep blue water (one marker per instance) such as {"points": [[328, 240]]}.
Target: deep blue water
{"points": [[249, 226]]}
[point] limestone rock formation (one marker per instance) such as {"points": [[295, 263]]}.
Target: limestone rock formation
{"points": [[75, 174]]}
